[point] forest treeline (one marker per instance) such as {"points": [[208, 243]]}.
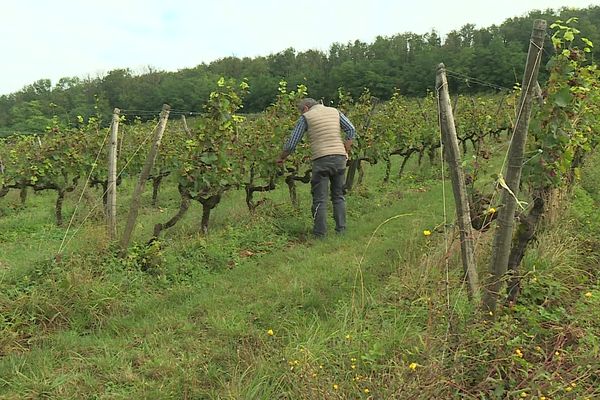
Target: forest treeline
{"points": [[478, 60]]}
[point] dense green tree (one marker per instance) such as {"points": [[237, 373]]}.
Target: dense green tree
{"points": [[29, 117], [115, 85]]}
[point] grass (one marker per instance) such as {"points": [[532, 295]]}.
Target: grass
{"points": [[365, 315]]}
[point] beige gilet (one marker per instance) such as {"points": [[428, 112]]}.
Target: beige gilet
{"points": [[324, 131]]}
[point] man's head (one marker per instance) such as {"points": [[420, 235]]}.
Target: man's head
{"points": [[305, 104]]}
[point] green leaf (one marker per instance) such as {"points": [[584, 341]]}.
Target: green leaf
{"points": [[208, 158], [587, 41], [569, 36], [563, 98], [556, 41]]}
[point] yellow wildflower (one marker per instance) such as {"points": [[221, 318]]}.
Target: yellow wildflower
{"points": [[426, 232], [588, 294], [270, 332], [367, 391], [335, 386], [413, 366], [519, 353], [491, 210]]}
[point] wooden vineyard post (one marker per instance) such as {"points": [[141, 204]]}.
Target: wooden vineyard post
{"points": [[111, 198], [185, 126], [139, 188], [510, 186], [452, 152]]}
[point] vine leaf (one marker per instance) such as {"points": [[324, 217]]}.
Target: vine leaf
{"points": [[563, 97]]}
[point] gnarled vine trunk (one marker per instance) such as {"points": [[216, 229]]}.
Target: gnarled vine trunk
{"points": [[526, 230], [184, 205], [208, 203]]}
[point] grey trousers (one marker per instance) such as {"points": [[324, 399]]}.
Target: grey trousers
{"points": [[325, 170]]}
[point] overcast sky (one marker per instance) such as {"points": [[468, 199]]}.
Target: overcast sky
{"points": [[59, 38]]}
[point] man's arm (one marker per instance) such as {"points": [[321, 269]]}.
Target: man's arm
{"points": [[282, 156], [294, 139], [347, 127]]}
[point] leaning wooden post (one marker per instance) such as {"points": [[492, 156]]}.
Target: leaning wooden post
{"points": [[111, 198], [139, 188], [510, 185], [450, 142], [185, 126]]}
